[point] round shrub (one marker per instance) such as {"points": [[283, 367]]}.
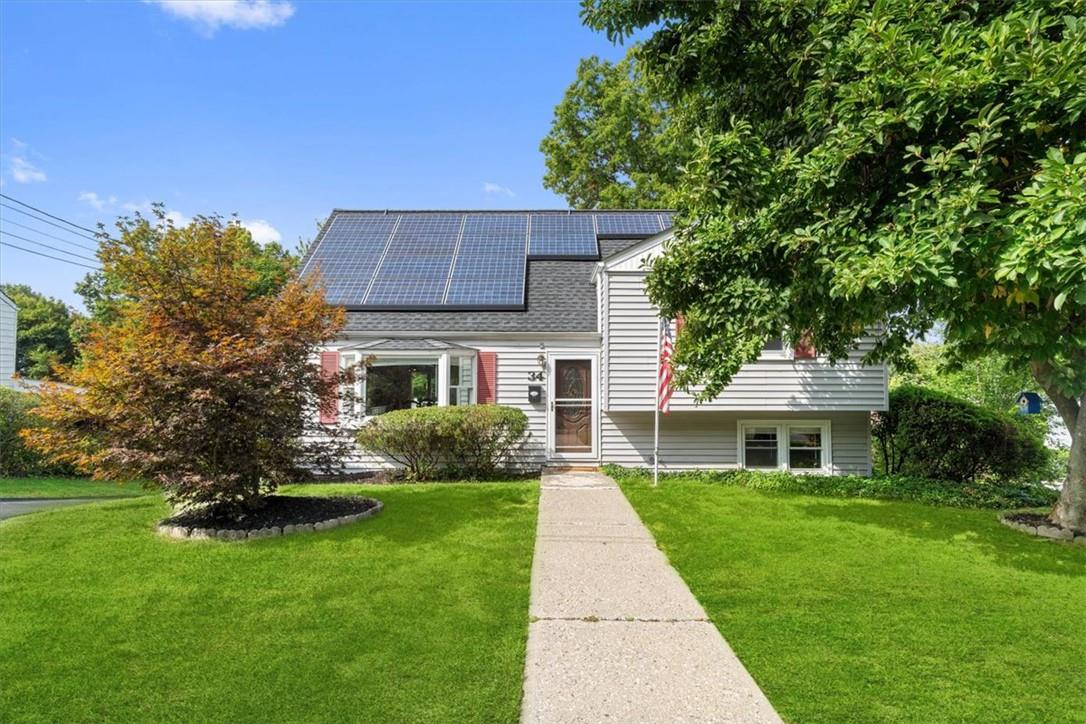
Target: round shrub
{"points": [[464, 441], [935, 435]]}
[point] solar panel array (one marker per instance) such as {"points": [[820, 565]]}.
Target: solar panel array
{"points": [[428, 260]]}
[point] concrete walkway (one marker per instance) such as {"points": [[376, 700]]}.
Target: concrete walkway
{"points": [[11, 507], [615, 634]]}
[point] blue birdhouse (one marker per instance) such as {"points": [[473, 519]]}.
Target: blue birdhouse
{"points": [[1029, 403]]}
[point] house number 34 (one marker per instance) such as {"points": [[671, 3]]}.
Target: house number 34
{"points": [[535, 376]]}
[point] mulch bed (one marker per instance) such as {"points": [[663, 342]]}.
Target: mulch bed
{"points": [[278, 511], [1033, 519]]}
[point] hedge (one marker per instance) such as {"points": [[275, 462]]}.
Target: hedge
{"points": [[468, 441], [16, 459], [934, 435], [945, 493]]}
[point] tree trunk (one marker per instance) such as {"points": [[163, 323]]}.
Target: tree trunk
{"points": [[1070, 509]]}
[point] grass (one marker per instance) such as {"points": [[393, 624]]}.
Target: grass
{"points": [[863, 610], [419, 614], [67, 488]]}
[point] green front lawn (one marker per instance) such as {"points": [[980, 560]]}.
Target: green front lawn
{"points": [[67, 488], [419, 614], [861, 610]]}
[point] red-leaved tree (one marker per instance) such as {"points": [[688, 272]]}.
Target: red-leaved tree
{"points": [[205, 383]]}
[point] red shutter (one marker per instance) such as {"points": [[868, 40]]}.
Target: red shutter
{"points": [[487, 391], [330, 405], [804, 349]]}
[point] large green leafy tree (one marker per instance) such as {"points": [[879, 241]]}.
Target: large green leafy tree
{"points": [[612, 143], [886, 163], [43, 334]]}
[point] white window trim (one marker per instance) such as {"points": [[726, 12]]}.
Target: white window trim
{"points": [[442, 359], [782, 427]]}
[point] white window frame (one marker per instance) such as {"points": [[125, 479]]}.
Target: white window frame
{"points": [[783, 427], [473, 384], [442, 359]]}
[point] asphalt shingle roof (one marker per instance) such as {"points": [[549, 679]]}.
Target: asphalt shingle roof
{"points": [[560, 297]]}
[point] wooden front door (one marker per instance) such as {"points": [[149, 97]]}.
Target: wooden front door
{"points": [[573, 410]]}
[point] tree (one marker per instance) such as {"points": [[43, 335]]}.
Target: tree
{"points": [[610, 144], [877, 164], [43, 334], [201, 380], [102, 291]]}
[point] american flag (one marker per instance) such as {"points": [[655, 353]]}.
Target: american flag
{"points": [[663, 376]]}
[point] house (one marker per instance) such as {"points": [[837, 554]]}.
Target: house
{"points": [[9, 318], [546, 311]]}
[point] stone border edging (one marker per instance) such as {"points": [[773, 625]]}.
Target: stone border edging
{"points": [[1051, 532], [229, 534]]}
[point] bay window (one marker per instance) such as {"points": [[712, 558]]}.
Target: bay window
{"points": [[797, 445], [400, 380]]}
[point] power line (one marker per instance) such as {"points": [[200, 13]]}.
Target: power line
{"points": [[51, 216], [47, 246], [47, 256], [46, 221], [51, 236]]}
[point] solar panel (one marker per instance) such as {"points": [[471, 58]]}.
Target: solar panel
{"points": [[666, 219], [489, 266], [458, 259], [563, 236], [415, 268], [628, 225], [348, 253]]}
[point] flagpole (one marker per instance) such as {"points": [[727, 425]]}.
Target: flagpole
{"points": [[656, 409]]}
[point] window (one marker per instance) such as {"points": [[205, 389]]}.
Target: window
{"points": [[461, 380], [804, 448], [400, 383], [760, 447], [350, 400], [799, 445], [774, 345]]}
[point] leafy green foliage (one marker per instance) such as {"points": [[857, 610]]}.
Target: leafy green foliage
{"points": [[934, 435], [43, 332], [888, 164], [988, 381], [985, 494], [612, 143], [16, 459], [468, 441]]}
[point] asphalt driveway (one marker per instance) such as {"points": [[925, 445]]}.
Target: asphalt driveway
{"points": [[11, 507]]}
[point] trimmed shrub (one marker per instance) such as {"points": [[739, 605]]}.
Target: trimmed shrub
{"points": [[16, 459], [463, 441], [883, 487], [934, 435]]}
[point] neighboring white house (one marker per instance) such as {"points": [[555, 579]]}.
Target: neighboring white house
{"points": [[9, 317], [547, 311]]}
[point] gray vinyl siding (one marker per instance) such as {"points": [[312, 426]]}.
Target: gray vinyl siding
{"points": [[8, 323], [708, 439], [630, 327]]}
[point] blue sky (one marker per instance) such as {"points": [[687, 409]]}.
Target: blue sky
{"points": [[276, 111]]}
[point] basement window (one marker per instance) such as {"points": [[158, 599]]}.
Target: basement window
{"points": [[796, 445]]}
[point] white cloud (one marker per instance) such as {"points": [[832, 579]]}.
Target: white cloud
{"points": [[98, 202], [262, 231], [210, 15], [497, 189], [177, 218], [24, 172]]}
